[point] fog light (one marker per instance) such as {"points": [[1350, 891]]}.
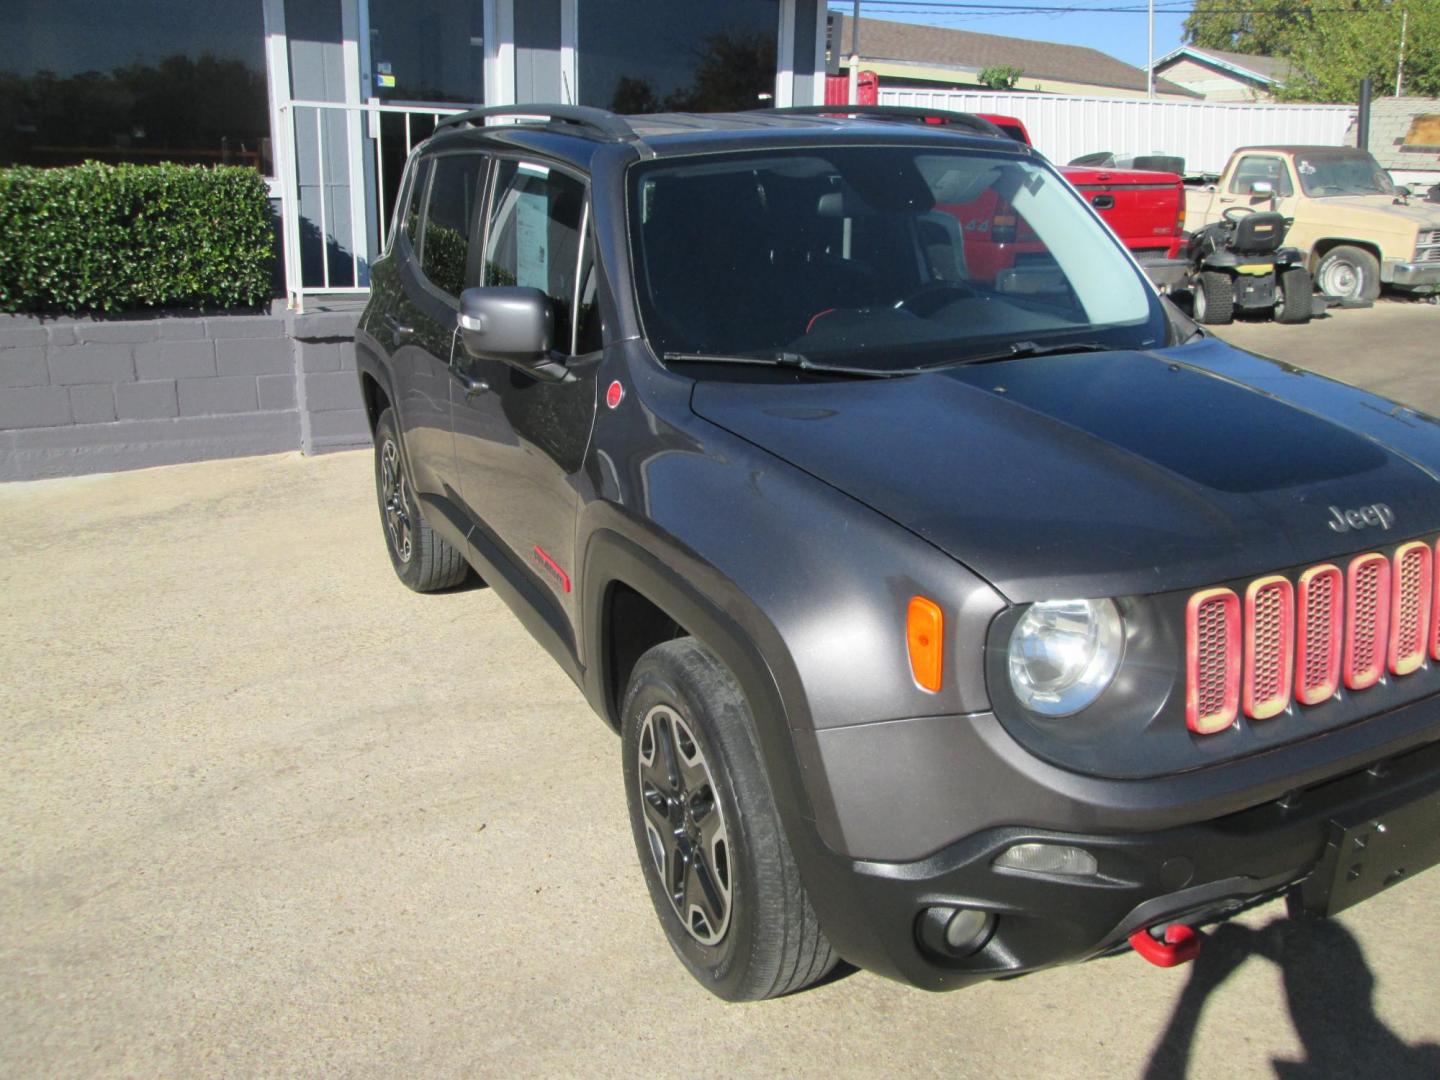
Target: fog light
{"points": [[1049, 859], [955, 932]]}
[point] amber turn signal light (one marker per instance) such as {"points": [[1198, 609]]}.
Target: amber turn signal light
{"points": [[925, 635]]}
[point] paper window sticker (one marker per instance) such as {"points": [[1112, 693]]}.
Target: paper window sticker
{"points": [[532, 257]]}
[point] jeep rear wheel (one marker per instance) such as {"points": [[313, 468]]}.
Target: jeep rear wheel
{"points": [[720, 872], [422, 560], [1214, 295]]}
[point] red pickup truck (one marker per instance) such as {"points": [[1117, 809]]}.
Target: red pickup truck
{"points": [[1146, 210]]}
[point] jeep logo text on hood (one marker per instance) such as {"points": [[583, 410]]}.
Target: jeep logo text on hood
{"points": [[1362, 518]]}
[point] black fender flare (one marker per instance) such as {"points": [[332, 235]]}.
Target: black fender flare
{"points": [[611, 558], [368, 362]]}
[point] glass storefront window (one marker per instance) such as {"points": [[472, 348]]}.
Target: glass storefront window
{"points": [[427, 50], [637, 56], [134, 80]]}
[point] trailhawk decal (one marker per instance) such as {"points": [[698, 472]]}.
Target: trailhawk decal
{"points": [[552, 569]]}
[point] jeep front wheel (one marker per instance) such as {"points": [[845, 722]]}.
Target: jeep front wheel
{"points": [[721, 874]]}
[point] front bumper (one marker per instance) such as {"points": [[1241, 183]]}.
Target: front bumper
{"points": [[1196, 874], [1404, 275]]}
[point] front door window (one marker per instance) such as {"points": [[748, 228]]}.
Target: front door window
{"points": [[535, 236]]}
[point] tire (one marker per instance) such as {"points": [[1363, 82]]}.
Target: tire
{"points": [[422, 560], [756, 935], [1293, 301], [1214, 294], [1350, 273]]}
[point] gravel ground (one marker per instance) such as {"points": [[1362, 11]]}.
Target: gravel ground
{"points": [[264, 811]]}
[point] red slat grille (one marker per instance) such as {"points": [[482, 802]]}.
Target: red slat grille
{"points": [[1409, 606], [1212, 670], [1435, 604], [1317, 651], [1269, 646], [1367, 619]]}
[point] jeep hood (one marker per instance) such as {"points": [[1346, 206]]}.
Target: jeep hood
{"points": [[1106, 474]]}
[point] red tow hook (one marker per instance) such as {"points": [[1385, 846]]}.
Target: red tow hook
{"points": [[1180, 945]]}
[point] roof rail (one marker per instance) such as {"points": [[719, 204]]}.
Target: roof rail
{"points": [[600, 121], [910, 113]]}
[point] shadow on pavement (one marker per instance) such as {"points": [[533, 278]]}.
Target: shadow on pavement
{"points": [[1329, 990]]}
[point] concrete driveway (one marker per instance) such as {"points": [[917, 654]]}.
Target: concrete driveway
{"points": [[264, 811]]}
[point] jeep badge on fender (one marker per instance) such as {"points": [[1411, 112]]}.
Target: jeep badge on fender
{"points": [[949, 683]]}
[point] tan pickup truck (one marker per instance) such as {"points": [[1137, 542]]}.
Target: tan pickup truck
{"points": [[1357, 228]]}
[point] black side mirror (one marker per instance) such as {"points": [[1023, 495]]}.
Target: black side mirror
{"points": [[510, 324]]}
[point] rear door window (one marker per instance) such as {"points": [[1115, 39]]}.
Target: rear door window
{"points": [[415, 202], [450, 222]]}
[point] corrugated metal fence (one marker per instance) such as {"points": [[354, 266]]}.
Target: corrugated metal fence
{"points": [[1203, 133]]}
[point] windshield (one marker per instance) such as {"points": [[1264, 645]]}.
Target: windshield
{"points": [[1352, 173], [886, 257]]}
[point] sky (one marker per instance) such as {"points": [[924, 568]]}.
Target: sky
{"points": [[1123, 36]]}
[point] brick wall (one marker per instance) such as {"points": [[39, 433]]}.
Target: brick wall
{"points": [[79, 395]]}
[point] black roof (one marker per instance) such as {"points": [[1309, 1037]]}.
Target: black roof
{"points": [[572, 134]]}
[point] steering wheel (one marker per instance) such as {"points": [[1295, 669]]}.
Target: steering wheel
{"points": [[931, 297], [1235, 213]]}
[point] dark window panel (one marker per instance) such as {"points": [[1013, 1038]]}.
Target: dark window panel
{"points": [[427, 50], [134, 80], [691, 55]]}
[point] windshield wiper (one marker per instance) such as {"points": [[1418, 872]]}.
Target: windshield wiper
{"points": [[797, 361], [1018, 349]]}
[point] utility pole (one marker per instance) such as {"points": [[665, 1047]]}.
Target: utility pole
{"points": [[855, 55], [1400, 64], [1150, 63]]}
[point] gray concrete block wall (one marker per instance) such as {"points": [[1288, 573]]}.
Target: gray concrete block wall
{"points": [[332, 414], [81, 395]]}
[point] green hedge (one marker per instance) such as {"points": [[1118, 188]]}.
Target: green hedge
{"points": [[122, 237]]}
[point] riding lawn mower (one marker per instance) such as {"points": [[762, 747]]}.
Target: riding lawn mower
{"points": [[1238, 264]]}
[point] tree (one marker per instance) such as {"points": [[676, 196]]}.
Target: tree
{"points": [[634, 95], [1332, 53], [734, 71], [1255, 27], [1331, 44], [1002, 77]]}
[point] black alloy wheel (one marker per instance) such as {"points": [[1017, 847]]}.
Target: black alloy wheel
{"points": [[685, 825], [394, 501], [421, 558]]}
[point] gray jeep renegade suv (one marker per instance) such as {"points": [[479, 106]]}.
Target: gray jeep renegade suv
{"points": [[963, 609]]}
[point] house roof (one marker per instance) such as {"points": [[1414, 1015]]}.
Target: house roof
{"points": [[1270, 70], [881, 39]]}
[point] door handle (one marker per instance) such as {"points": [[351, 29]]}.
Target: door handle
{"points": [[1225, 200], [469, 383], [399, 329]]}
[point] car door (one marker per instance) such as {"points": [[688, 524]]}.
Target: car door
{"points": [[434, 267], [520, 441]]}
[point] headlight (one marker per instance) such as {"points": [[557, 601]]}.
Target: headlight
{"points": [[1064, 653]]}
